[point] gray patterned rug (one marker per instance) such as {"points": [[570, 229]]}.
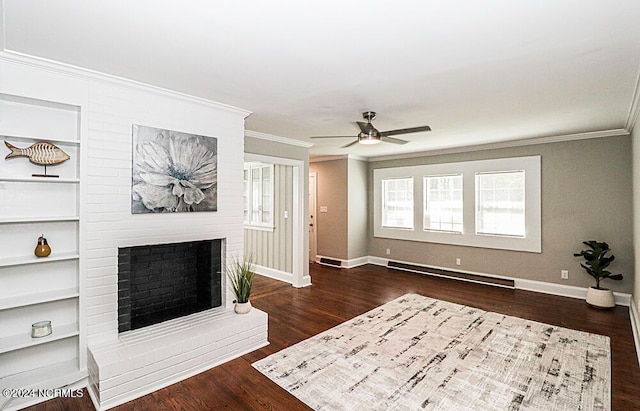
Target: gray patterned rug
{"points": [[418, 353]]}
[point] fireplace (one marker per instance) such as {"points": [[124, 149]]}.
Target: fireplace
{"points": [[161, 282], [180, 288]]}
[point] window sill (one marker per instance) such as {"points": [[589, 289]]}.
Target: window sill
{"points": [[268, 228]]}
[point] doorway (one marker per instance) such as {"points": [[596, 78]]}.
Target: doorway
{"points": [[313, 223]]}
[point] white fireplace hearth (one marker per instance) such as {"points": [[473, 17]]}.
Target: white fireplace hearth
{"points": [[145, 360]]}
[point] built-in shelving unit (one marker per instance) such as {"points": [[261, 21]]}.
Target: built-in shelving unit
{"points": [[35, 289]]}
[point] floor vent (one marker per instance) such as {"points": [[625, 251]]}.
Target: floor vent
{"points": [[330, 262], [457, 275]]}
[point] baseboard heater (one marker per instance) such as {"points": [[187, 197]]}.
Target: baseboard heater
{"points": [[330, 262], [457, 275]]}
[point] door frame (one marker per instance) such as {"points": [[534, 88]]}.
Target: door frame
{"points": [[300, 250], [314, 213]]}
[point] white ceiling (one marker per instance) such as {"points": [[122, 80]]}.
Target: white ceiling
{"points": [[476, 72]]}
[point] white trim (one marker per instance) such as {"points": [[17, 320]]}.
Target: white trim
{"points": [[571, 291], [273, 273], [506, 144], [634, 108], [469, 170], [87, 74], [300, 255], [352, 263], [319, 159], [356, 262], [255, 227], [622, 299], [277, 139], [313, 212], [635, 326]]}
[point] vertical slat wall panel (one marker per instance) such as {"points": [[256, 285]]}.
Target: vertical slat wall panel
{"points": [[274, 249]]}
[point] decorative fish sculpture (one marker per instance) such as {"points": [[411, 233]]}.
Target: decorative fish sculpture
{"points": [[42, 153]]}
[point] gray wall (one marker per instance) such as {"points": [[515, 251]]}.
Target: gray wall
{"points": [[586, 194], [357, 203], [332, 226]]}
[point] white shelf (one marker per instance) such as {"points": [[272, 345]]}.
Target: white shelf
{"points": [[32, 259], [52, 376], [20, 220], [38, 298], [20, 341], [39, 180], [32, 289], [36, 139]]}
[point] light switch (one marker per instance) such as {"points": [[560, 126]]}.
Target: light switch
{"points": [[323, 209]]}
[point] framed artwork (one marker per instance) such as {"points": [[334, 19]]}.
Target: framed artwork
{"points": [[172, 171]]}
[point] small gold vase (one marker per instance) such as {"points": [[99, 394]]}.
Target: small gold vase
{"points": [[42, 249]]}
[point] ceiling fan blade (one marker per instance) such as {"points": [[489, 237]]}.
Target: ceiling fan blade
{"points": [[363, 126], [350, 144], [393, 140], [332, 137], [405, 131]]}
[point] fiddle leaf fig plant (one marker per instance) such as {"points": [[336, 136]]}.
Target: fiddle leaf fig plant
{"points": [[596, 260]]}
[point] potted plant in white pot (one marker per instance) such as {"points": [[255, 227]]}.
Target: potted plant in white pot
{"points": [[596, 261], [241, 276]]}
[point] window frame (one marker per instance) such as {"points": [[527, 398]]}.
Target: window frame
{"points": [[411, 181], [249, 197], [425, 203], [532, 242]]}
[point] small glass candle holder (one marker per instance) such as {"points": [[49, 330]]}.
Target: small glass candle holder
{"points": [[40, 329]]}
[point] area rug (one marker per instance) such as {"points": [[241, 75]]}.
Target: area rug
{"points": [[418, 353]]}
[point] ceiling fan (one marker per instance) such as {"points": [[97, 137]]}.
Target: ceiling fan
{"points": [[370, 135]]}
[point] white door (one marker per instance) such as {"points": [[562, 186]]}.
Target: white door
{"points": [[313, 234]]}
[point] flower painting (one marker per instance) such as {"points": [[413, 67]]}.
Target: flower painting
{"points": [[173, 171]]}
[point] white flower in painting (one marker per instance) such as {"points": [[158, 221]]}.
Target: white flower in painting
{"points": [[175, 176]]}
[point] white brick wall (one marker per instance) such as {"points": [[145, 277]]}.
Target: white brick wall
{"points": [[112, 110], [109, 107]]}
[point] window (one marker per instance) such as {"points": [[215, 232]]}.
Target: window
{"points": [[397, 203], [443, 203], [258, 195], [500, 206], [482, 203]]}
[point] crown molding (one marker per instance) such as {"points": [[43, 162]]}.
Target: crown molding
{"points": [[507, 144], [634, 109], [318, 159], [277, 139], [81, 73]]}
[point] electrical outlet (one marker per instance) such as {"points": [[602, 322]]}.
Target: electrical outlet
{"points": [[564, 274], [458, 261], [388, 252]]}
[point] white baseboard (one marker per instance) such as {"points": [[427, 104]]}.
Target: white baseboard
{"points": [[354, 262], [273, 273], [520, 284], [565, 290], [635, 326]]}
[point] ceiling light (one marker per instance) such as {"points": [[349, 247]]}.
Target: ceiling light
{"points": [[370, 138]]}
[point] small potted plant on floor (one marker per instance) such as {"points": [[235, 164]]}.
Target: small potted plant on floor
{"points": [[596, 261], [241, 279]]}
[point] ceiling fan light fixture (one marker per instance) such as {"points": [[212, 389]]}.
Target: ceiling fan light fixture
{"points": [[368, 138]]}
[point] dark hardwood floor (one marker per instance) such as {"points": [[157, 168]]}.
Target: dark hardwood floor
{"points": [[338, 295]]}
